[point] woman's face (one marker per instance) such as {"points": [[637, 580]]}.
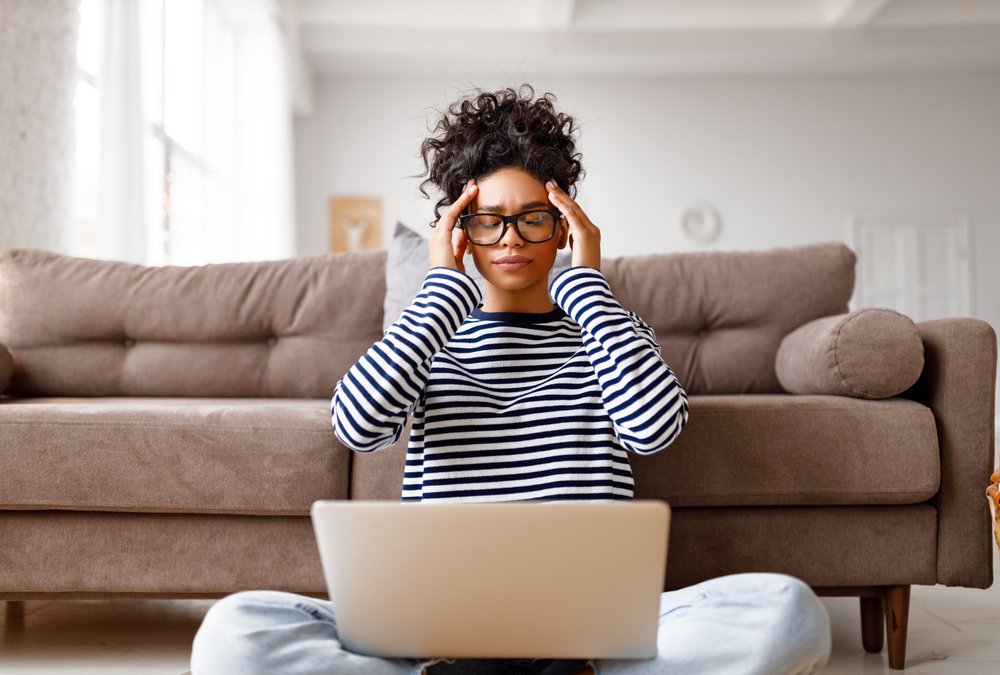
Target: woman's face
{"points": [[508, 191]]}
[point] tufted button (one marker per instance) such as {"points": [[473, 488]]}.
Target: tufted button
{"points": [[272, 340], [702, 333], [129, 342]]}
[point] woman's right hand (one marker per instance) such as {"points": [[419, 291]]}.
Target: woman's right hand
{"points": [[443, 251]]}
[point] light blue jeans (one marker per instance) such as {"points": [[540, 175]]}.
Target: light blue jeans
{"points": [[739, 624]]}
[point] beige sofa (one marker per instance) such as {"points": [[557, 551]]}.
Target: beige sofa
{"points": [[165, 430]]}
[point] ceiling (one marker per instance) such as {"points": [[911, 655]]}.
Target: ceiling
{"points": [[645, 37]]}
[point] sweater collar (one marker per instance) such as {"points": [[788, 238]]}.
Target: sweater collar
{"points": [[518, 317]]}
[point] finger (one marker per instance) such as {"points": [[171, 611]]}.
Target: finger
{"points": [[446, 221], [561, 200], [564, 203], [460, 244], [456, 208], [449, 221], [565, 206], [556, 192], [570, 209], [460, 251]]}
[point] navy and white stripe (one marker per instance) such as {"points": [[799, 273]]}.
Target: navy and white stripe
{"points": [[513, 406]]}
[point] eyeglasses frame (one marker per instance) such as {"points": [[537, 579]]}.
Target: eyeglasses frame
{"points": [[507, 221]]}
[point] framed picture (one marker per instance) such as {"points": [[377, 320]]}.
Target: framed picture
{"points": [[355, 223]]}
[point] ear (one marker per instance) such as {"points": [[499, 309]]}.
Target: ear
{"points": [[563, 233]]}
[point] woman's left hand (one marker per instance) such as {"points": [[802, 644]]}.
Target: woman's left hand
{"points": [[584, 237]]}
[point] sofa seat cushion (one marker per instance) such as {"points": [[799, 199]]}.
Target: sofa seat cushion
{"points": [[782, 450], [170, 455], [761, 450]]}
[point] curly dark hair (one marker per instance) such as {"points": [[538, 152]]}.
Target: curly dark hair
{"points": [[486, 131]]}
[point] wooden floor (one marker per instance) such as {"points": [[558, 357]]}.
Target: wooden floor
{"points": [[951, 631]]}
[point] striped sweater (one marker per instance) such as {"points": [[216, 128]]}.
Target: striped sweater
{"points": [[513, 406]]}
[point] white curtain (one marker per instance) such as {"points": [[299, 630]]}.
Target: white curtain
{"points": [[264, 127], [121, 211], [232, 192]]}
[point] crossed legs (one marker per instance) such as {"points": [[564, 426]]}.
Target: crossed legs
{"points": [[740, 624]]}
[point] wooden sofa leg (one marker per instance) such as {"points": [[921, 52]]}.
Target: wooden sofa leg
{"points": [[872, 621], [897, 611]]}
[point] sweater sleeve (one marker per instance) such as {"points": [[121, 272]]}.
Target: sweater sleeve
{"points": [[647, 405], [378, 393]]}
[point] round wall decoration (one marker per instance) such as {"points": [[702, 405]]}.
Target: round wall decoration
{"points": [[700, 223]]}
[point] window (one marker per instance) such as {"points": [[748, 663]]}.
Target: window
{"points": [[188, 100], [84, 239]]}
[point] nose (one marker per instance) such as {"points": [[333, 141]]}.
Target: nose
{"points": [[511, 237]]}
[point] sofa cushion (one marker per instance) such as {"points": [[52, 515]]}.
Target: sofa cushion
{"points": [[240, 456], [292, 328], [720, 316], [277, 328], [762, 450], [192, 555], [868, 353]]}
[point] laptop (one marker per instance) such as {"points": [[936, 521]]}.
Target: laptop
{"points": [[523, 579]]}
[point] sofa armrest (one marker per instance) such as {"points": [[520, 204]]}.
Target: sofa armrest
{"points": [[6, 367], [958, 383]]}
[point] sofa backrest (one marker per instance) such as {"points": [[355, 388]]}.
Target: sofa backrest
{"points": [[720, 316], [281, 329], [292, 328]]}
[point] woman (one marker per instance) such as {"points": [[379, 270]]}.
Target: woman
{"points": [[533, 388]]}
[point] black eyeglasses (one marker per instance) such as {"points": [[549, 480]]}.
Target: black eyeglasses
{"points": [[486, 229]]}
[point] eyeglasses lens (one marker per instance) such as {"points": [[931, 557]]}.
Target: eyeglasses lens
{"points": [[533, 226]]}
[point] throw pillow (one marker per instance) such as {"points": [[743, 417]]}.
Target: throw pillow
{"points": [[408, 261], [868, 353]]}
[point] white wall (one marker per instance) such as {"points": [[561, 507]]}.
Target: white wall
{"points": [[37, 85], [783, 160]]}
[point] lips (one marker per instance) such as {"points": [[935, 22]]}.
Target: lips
{"points": [[512, 263]]}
